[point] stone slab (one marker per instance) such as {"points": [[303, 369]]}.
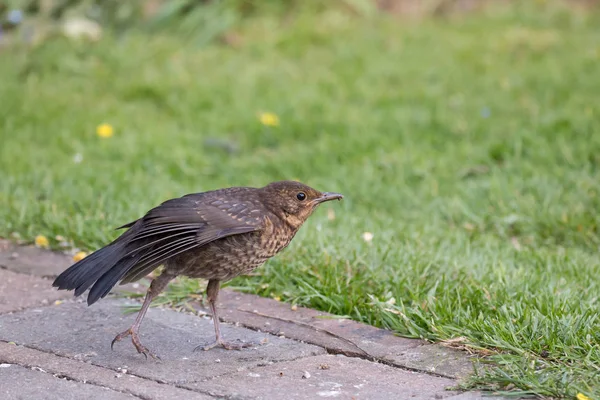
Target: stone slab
{"points": [[435, 359], [80, 371], [17, 382], [32, 260], [328, 376], [76, 331], [483, 396], [339, 335], [19, 291]]}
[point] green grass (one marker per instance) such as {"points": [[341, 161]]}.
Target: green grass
{"points": [[469, 147]]}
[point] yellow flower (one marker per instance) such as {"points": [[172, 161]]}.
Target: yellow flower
{"points": [[268, 119], [581, 396], [104, 130], [42, 241], [80, 255]]}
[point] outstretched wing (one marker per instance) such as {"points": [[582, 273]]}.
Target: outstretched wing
{"points": [[182, 224], [172, 228]]}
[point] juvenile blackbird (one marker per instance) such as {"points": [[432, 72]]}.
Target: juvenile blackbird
{"points": [[215, 235]]}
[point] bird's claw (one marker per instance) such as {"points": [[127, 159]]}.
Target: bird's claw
{"points": [[225, 345], [144, 350], [136, 342], [119, 337]]}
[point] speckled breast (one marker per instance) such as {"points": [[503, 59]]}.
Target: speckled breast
{"points": [[229, 257]]}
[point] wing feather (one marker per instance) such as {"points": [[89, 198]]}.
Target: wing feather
{"points": [[172, 228]]}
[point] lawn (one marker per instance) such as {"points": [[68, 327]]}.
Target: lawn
{"points": [[469, 147]]}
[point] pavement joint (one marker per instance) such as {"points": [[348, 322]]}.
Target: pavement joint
{"points": [[330, 348], [362, 355]]}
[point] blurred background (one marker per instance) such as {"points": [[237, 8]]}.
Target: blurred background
{"points": [[463, 134]]}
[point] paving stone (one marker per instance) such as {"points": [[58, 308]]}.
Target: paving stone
{"points": [[32, 260], [79, 332], [21, 383], [481, 396], [340, 336], [328, 376], [434, 358], [19, 291], [80, 371]]}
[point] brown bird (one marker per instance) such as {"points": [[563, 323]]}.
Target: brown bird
{"points": [[215, 235]]}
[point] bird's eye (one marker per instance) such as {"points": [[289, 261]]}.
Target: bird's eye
{"points": [[301, 196]]}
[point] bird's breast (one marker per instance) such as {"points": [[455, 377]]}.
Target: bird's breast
{"points": [[226, 258]]}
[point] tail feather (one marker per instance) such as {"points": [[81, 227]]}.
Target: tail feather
{"points": [[108, 260], [110, 278], [139, 250], [81, 275]]}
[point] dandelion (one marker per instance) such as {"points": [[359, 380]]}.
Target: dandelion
{"points": [[581, 396], [268, 119], [80, 255], [105, 130], [367, 237], [42, 241]]}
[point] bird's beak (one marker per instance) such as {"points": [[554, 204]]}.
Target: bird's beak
{"points": [[328, 196]]}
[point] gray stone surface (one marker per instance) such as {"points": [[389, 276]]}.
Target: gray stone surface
{"points": [[80, 371], [433, 358], [328, 376], [21, 383], [32, 260], [477, 396], [341, 336], [19, 291], [79, 332]]}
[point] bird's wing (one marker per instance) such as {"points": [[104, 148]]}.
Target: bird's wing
{"points": [[174, 227], [185, 223]]}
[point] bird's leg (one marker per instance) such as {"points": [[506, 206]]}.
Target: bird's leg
{"points": [[212, 292], [157, 286]]}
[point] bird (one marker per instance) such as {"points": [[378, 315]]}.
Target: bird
{"points": [[214, 235]]}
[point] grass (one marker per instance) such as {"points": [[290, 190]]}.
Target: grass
{"points": [[468, 146]]}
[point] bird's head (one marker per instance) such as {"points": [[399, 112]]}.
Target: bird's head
{"points": [[293, 201]]}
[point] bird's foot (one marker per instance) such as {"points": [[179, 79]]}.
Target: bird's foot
{"points": [[226, 345], [136, 342]]}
